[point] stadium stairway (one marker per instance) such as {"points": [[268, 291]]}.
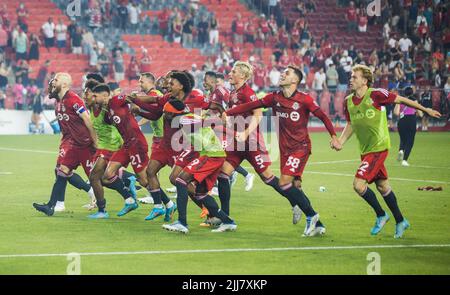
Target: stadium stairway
{"points": [[39, 12], [330, 18]]}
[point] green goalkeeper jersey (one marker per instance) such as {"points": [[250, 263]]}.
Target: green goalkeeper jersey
{"points": [[108, 136], [369, 123], [158, 125], [203, 139]]}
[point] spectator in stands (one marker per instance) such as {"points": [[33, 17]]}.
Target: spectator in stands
{"points": [[447, 87], [319, 83], [346, 62], [22, 16], [119, 68], [362, 20], [3, 37], [188, 27], [145, 62], [405, 44], [332, 78], [250, 31], [35, 43], [399, 74], [116, 49], [48, 30], [260, 75], [21, 45], [213, 31], [177, 28], [351, 17], [122, 13], [4, 73], [238, 28], [373, 58], [410, 70], [61, 35], [163, 20], [76, 39], [133, 69], [87, 42], [43, 74], [305, 36], [285, 59], [202, 29], [344, 78], [133, 13], [2, 99], [36, 103], [93, 57], [103, 62], [274, 77], [19, 91]]}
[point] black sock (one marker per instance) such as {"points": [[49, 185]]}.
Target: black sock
{"points": [[156, 195], [79, 183], [241, 171], [125, 176], [197, 202], [275, 183], [214, 210], [391, 201], [120, 187], [58, 191], [182, 199], [370, 197], [101, 205], [297, 195], [164, 198], [224, 194]]}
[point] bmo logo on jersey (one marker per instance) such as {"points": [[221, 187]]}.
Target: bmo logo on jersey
{"points": [[116, 119], [62, 117], [294, 116]]}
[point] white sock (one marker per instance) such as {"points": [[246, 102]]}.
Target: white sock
{"points": [[91, 193], [59, 204], [169, 205], [129, 201], [158, 206]]}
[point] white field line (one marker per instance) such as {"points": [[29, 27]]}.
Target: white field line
{"points": [[203, 251], [6, 173], [28, 151]]}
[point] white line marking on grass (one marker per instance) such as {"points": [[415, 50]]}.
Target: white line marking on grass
{"points": [[203, 251], [30, 151], [5, 173]]}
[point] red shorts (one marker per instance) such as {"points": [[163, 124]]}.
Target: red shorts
{"points": [[105, 154], [185, 157], [205, 169], [294, 164], [372, 167], [260, 159], [165, 156], [72, 156], [135, 154]]}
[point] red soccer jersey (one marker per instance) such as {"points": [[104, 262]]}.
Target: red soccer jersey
{"points": [[196, 100], [221, 96], [379, 96], [293, 114], [68, 111], [119, 114]]}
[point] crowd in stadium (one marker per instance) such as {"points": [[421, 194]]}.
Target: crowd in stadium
{"points": [[415, 51]]}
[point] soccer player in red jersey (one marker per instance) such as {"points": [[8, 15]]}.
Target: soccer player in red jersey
{"points": [[365, 110], [293, 109], [134, 149], [78, 141]]}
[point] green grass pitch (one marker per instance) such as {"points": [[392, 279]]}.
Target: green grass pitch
{"points": [[263, 218]]}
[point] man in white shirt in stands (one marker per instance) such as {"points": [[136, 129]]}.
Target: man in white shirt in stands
{"points": [[405, 43], [49, 33], [61, 31]]}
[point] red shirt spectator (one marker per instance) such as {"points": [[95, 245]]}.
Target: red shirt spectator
{"points": [[145, 63], [264, 25], [22, 14], [285, 60], [240, 27], [236, 52], [163, 19], [284, 37], [259, 76], [351, 13]]}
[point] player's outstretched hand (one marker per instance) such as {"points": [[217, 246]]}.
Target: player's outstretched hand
{"points": [[433, 113], [335, 144]]}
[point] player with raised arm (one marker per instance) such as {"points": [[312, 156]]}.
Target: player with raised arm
{"points": [[293, 109], [366, 117], [78, 142]]}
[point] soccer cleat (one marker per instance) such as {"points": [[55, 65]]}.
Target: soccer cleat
{"points": [[310, 225], [172, 189], [169, 212], [176, 226], [223, 227], [93, 203], [156, 212], [132, 186], [127, 208], [400, 155], [99, 215], [249, 181], [204, 212], [215, 191], [233, 178], [59, 207], [318, 231], [380, 222], [296, 214], [211, 222], [405, 163], [44, 208], [146, 200], [400, 228]]}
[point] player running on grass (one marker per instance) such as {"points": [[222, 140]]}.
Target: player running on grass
{"points": [[293, 109], [199, 176], [78, 142], [109, 141], [366, 117]]}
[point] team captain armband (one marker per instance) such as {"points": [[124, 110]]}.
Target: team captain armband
{"points": [[79, 109]]}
